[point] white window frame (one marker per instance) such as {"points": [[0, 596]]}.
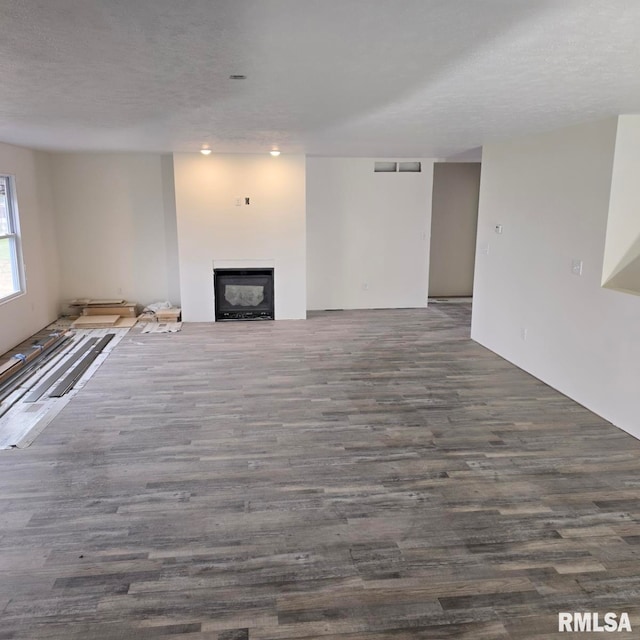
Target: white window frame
{"points": [[13, 235]]}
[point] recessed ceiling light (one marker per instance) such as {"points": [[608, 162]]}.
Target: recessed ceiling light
{"points": [[274, 152], [234, 76], [205, 151]]}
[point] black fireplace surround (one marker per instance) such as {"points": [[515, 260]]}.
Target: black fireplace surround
{"points": [[243, 294]]}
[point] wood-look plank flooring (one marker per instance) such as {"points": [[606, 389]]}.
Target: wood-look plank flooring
{"points": [[363, 475]]}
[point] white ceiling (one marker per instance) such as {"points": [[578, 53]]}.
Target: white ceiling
{"points": [[324, 77]]}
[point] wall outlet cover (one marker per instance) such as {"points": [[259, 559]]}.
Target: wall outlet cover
{"points": [[576, 267]]}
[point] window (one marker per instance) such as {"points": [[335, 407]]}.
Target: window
{"points": [[11, 280]]}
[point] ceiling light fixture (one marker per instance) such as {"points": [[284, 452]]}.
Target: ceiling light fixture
{"points": [[205, 151], [237, 77], [274, 152]]}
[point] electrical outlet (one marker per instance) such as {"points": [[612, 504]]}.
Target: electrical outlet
{"points": [[576, 267], [523, 333], [238, 202], [498, 229], [485, 248]]}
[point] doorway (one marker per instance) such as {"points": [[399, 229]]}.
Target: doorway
{"points": [[454, 222]]}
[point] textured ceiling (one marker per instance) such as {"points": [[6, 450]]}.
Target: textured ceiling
{"points": [[324, 77]]}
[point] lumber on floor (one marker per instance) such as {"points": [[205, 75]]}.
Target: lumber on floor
{"points": [[96, 302], [9, 364], [168, 315], [38, 357], [79, 369], [27, 353], [22, 421], [125, 323], [44, 385], [95, 322], [357, 476], [124, 311]]}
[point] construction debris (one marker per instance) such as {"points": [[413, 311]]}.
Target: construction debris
{"points": [[20, 361], [27, 401], [160, 312], [85, 302], [124, 310], [169, 315], [162, 327], [103, 314], [76, 373], [95, 322]]}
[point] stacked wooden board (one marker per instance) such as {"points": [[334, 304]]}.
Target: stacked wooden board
{"points": [[171, 314], [103, 322], [96, 302], [168, 315], [104, 314], [95, 322], [127, 310]]}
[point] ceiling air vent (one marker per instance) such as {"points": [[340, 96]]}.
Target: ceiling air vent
{"points": [[413, 167], [385, 167]]}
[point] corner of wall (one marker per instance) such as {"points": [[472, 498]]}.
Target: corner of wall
{"points": [[170, 228], [21, 317], [538, 299]]}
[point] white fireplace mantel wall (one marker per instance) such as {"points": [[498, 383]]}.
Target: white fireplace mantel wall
{"points": [[245, 263], [214, 230]]}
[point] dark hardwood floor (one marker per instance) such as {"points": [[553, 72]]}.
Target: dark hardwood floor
{"points": [[362, 475]]}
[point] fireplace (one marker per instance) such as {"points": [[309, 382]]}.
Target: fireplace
{"points": [[243, 294]]}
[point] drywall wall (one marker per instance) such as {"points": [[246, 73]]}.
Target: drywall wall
{"points": [[367, 235], [551, 194], [621, 268], [470, 155], [21, 317], [116, 226], [270, 231], [170, 229], [454, 218]]}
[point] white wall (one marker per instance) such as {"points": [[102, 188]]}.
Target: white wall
{"points": [[23, 316], [621, 268], [551, 194], [454, 219], [116, 226], [170, 229], [270, 231], [367, 235]]}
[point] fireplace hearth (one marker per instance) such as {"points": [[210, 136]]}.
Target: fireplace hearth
{"points": [[243, 294]]}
